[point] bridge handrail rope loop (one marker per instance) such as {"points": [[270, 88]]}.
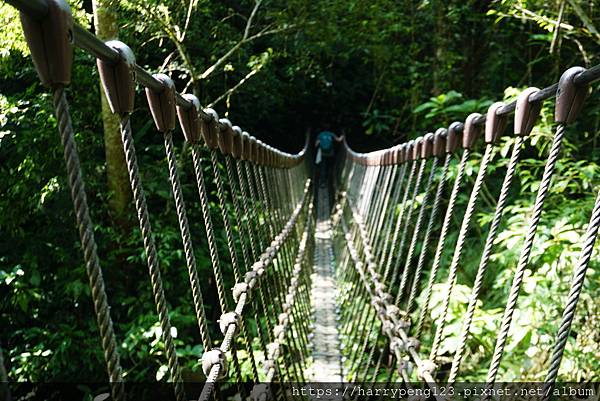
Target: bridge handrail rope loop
{"points": [[388, 267], [372, 170]]}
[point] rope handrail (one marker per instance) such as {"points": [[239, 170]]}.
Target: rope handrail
{"points": [[38, 10], [213, 362], [379, 168], [386, 198]]}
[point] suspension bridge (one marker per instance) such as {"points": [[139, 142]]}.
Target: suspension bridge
{"points": [[336, 287]]}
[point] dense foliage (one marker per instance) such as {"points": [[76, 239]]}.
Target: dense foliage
{"points": [[380, 71]]}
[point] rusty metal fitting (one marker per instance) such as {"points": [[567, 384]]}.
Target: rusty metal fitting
{"points": [[408, 150], [400, 154], [526, 113], [416, 150], [494, 124], [452, 136], [214, 357], [396, 344], [162, 104], [50, 41], [236, 149], [387, 326], [427, 147], [439, 142], [569, 96], [246, 146], [253, 150], [471, 131], [225, 137], [118, 79], [210, 129], [189, 121], [228, 319]]}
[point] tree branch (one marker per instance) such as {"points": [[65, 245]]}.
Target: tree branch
{"points": [[234, 88], [584, 18]]}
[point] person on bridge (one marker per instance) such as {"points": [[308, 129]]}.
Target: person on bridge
{"points": [[325, 155]]}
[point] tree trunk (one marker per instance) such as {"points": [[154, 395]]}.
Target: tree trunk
{"points": [[105, 23]]}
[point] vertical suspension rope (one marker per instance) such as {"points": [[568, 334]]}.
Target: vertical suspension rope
{"points": [[151, 255], [573, 297], [416, 231], [525, 253], [442, 240], [485, 257], [88, 244], [187, 241], [426, 238], [462, 235], [389, 256]]}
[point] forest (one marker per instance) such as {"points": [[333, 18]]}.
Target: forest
{"points": [[380, 72]]}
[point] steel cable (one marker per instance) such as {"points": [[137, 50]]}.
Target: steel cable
{"points": [[485, 257], [573, 298], [425, 244], [151, 256], [187, 241], [88, 244], [525, 253], [460, 242], [442, 240]]}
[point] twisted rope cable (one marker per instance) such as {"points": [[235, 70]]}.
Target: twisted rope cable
{"points": [[151, 255], [247, 211], [210, 235], [485, 257], [224, 214], [389, 221], [88, 244], [214, 256], [573, 298], [442, 240], [428, 230], [381, 204], [416, 231], [460, 242], [266, 259], [237, 211], [392, 249], [187, 241], [260, 232], [405, 230], [525, 253], [232, 253]]}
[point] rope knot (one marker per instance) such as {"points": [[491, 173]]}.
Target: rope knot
{"points": [[279, 332], [426, 368], [283, 318], [239, 289], [251, 278], [413, 343], [272, 351], [214, 357], [228, 319]]}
